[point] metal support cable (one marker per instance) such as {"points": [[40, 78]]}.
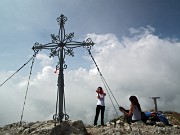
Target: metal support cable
{"points": [[17, 71], [27, 88], [104, 81], [106, 85], [111, 92], [109, 95]]}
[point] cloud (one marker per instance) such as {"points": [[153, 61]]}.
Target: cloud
{"points": [[143, 65], [45, 60], [142, 31], [147, 66]]}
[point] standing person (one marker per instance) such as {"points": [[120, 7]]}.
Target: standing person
{"points": [[134, 113], [100, 105]]}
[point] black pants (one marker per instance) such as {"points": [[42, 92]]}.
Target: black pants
{"points": [[98, 109]]}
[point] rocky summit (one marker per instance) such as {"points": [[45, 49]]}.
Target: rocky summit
{"points": [[45, 128], [115, 127]]}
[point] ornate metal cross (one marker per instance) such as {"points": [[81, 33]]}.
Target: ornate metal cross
{"points": [[61, 46]]}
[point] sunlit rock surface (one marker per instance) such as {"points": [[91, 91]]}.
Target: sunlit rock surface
{"points": [[115, 127]]}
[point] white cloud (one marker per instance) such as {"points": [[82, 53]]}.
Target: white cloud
{"points": [[147, 66], [142, 31], [45, 60]]}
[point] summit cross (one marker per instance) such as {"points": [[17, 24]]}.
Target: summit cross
{"points": [[61, 45]]}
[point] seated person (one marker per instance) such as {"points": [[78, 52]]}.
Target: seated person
{"points": [[134, 113]]}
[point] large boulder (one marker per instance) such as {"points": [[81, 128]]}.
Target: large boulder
{"points": [[69, 128]]}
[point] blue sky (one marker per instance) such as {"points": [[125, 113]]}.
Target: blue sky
{"points": [[25, 22], [137, 48]]}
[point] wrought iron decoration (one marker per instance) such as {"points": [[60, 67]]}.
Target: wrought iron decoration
{"points": [[61, 46]]}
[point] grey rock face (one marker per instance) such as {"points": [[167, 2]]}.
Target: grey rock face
{"points": [[45, 128]]}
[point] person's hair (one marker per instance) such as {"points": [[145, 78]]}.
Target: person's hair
{"points": [[135, 101], [100, 88]]}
